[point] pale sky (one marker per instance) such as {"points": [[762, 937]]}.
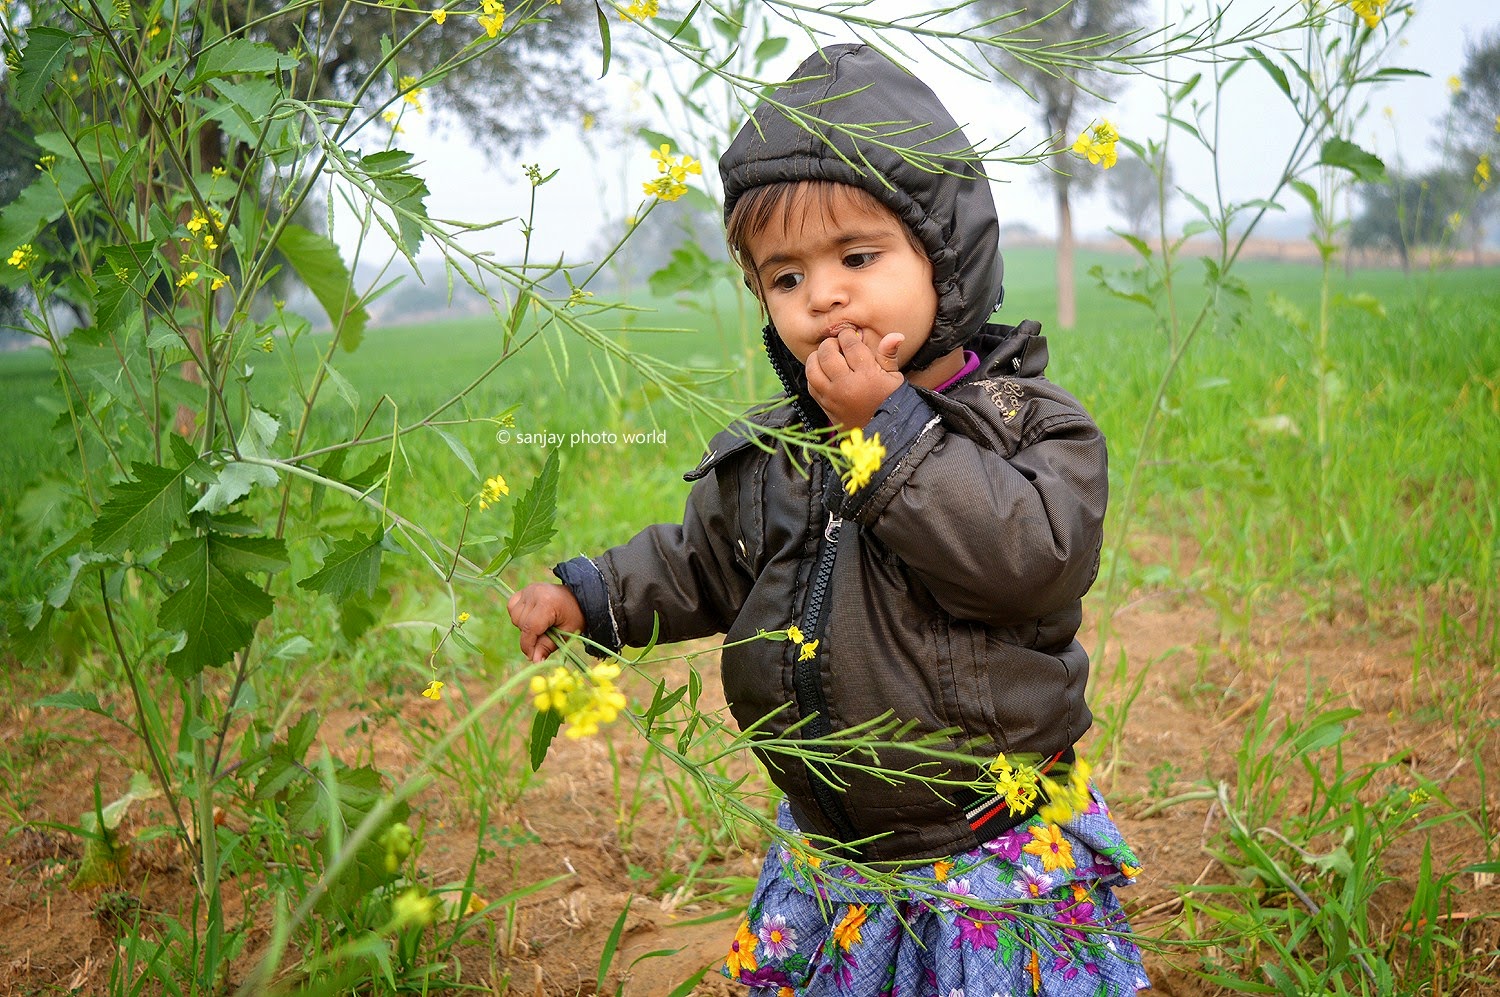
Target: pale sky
{"points": [[601, 179]]}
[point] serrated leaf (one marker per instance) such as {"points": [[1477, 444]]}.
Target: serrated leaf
{"points": [[352, 567], [235, 479], [141, 514], [1344, 154], [403, 192], [544, 727], [47, 49], [532, 517], [217, 607], [123, 281], [348, 392], [316, 260], [238, 55]]}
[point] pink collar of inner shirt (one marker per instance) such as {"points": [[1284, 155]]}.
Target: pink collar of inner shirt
{"points": [[971, 364]]}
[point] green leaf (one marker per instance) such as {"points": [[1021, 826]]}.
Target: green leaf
{"points": [[1344, 154], [75, 701], [689, 269], [612, 944], [461, 452], [217, 607], [316, 260], [124, 279], [1274, 71], [352, 567], [532, 518], [47, 49], [1131, 285], [235, 479], [141, 514], [239, 55], [544, 727], [603, 38], [403, 191], [769, 49]]}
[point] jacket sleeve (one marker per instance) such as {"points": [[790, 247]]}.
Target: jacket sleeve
{"points": [[1003, 523], [678, 580]]}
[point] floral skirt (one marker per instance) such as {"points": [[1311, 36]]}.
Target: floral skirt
{"points": [[1031, 912]]}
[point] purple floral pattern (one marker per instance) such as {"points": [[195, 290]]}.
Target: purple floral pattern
{"points": [[1004, 918]]}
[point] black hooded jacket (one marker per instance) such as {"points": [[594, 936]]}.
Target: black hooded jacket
{"points": [[945, 593]]}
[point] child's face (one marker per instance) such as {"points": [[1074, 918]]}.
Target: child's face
{"points": [[847, 263]]}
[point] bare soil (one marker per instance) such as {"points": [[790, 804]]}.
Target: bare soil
{"points": [[1202, 675]]}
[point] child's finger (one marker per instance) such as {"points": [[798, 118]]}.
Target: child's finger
{"points": [[886, 352]]}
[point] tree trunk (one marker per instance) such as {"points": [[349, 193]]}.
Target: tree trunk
{"points": [[1067, 306]]}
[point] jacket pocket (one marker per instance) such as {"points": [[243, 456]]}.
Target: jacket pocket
{"points": [[1031, 692]]}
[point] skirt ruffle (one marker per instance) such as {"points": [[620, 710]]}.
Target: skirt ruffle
{"points": [[1031, 912]]}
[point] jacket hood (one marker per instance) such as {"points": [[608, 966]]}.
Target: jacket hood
{"points": [[850, 115]]}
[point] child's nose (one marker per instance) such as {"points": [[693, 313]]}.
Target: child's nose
{"points": [[829, 290]]}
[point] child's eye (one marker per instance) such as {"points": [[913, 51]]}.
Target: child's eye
{"points": [[786, 281], [855, 261]]}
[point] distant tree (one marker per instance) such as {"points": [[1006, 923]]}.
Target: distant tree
{"points": [[1474, 125], [1475, 108], [1062, 101], [1414, 210], [1137, 194]]}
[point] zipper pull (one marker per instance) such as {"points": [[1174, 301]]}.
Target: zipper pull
{"points": [[831, 531]]}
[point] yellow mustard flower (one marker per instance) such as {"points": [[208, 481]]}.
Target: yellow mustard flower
{"points": [[639, 10], [809, 651], [477, 904], [410, 92], [197, 223], [847, 932], [1482, 172], [794, 634], [463, 618], [492, 17], [1455, 85], [440, 15], [414, 907], [674, 171], [434, 690], [188, 279], [46, 163], [1456, 220], [1048, 844], [1369, 11], [1017, 785], [392, 119], [23, 257], [584, 702], [218, 282], [1418, 796], [494, 488], [1097, 144], [863, 457], [268, 345], [219, 171]]}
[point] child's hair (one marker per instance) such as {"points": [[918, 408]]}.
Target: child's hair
{"points": [[781, 202]]}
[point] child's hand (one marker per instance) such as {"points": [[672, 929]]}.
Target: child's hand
{"points": [[536, 608], [849, 380]]}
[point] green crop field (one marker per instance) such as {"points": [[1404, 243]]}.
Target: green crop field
{"points": [[1248, 574]]}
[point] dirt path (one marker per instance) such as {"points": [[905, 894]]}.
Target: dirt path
{"points": [[1200, 679]]}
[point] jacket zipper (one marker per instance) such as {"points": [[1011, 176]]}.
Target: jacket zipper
{"points": [[807, 682]]}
